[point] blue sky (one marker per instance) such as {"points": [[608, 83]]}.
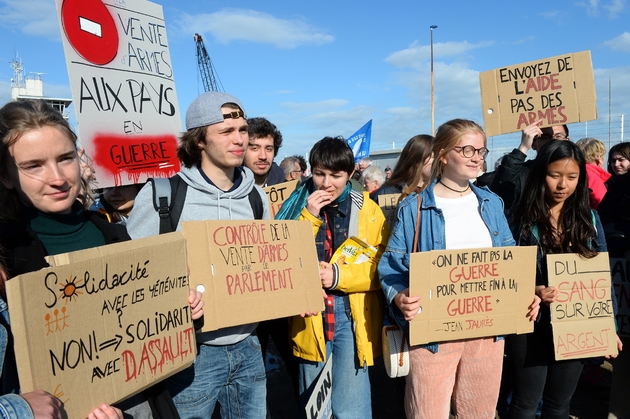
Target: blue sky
{"points": [[325, 68]]}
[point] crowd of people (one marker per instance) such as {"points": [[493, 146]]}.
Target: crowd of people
{"points": [[47, 207]]}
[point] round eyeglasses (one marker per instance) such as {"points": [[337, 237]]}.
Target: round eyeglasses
{"points": [[468, 151]]}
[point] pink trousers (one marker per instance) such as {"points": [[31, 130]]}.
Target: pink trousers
{"points": [[464, 375]]}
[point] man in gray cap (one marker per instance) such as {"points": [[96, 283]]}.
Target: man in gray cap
{"points": [[229, 366]]}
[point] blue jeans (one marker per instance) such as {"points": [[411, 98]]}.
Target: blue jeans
{"points": [[351, 398], [232, 374]]}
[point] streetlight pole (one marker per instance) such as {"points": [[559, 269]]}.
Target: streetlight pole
{"points": [[432, 85]]}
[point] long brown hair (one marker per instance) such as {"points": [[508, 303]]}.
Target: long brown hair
{"points": [[408, 169], [575, 222], [16, 119]]}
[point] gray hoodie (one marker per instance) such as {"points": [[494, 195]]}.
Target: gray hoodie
{"points": [[204, 201]]}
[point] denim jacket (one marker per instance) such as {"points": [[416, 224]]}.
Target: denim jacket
{"points": [[394, 265], [12, 406]]}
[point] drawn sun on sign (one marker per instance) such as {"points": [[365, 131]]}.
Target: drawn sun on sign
{"points": [[69, 289]]}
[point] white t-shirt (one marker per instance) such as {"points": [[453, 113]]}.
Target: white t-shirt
{"points": [[465, 229]]}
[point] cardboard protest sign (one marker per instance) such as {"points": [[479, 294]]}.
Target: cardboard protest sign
{"points": [[582, 318], [277, 194], [253, 270], [102, 324], [470, 293], [620, 275], [319, 405], [388, 204], [123, 87], [559, 90]]}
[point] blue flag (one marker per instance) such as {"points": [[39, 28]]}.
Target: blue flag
{"points": [[359, 142]]}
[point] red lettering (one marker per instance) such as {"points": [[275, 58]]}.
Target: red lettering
{"points": [[130, 364], [462, 306], [137, 155]]}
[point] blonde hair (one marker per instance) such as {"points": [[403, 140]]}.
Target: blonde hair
{"points": [[592, 148], [447, 138], [16, 119]]}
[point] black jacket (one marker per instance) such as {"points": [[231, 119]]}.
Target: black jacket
{"points": [[510, 177], [614, 211], [23, 251]]}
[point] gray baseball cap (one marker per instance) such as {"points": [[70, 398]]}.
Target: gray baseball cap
{"points": [[206, 109]]}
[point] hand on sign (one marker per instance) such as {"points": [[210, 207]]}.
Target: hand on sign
{"points": [[530, 132], [410, 306], [314, 313], [196, 304], [619, 348], [547, 294], [44, 405], [326, 274], [534, 309], [106, 412], [317, 200]]}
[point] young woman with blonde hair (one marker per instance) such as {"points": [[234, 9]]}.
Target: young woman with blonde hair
{"points": [[461, 376]]}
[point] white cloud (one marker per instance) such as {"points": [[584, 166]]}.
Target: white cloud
{"points": [[320, 106], [523, 40], [620, 43], [33, 17], [416, 55], [550, 14], [613, 7], [620, 90], [456, 91], [249, 25]]}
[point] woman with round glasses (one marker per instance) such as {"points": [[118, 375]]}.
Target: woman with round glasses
{"points": [[460, 376]]}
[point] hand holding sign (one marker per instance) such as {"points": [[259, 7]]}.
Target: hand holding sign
{"points": [[196, 304], [410, 306], [528, 136], [548, 295], [106, 412]]}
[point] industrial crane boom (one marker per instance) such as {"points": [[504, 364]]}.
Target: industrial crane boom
{"points": [[211, 81]]}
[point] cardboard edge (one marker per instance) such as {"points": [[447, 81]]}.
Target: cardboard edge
{"points": [[307, 234], [16, 298]]}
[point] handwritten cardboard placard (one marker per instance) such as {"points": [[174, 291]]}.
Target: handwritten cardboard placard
{"points": [[470, 293], [277, 194], [253, 270], [319, 405], [582, 318], [102, 324], [559, 90], [123, 87], [620, 275], [388, 204]]}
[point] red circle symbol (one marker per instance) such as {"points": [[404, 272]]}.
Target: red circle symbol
{"points": [[90, 29]]}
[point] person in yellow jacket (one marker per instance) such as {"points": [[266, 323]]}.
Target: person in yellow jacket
{"points": [[350, 327]]}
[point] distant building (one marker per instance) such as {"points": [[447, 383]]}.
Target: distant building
{"points": [[384, 158], [25, 87]]}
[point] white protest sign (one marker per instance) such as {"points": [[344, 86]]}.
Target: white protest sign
{"points": [[319, 405], [123, 87]]}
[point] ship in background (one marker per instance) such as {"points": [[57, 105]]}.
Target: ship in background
{"points": [[25, 87]]}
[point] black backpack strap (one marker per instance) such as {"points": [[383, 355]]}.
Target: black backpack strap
{"points": [[179, 188], [256, 202], [168, 200]]}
